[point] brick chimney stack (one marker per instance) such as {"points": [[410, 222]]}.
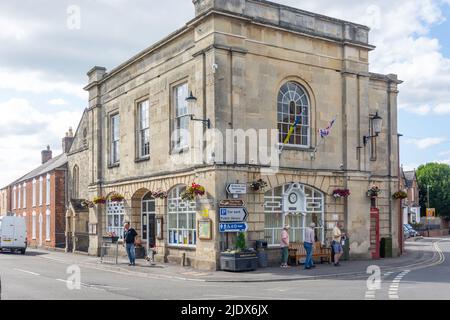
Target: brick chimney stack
{"points": [[46, 155], [67, 141]]}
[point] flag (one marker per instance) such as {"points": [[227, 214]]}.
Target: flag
{"points": [[326, 132], [291, 130]]}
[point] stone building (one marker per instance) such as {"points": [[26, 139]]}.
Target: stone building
{"points": [[253, 67], [40, 197]]}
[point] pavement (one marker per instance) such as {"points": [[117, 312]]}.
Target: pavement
{"points": [[418, 255], [423, 273]]}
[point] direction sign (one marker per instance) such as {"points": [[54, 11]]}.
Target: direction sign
{"points": [[231, 203], [431, 212], [237, 188], [233, 227], [233, 214]]}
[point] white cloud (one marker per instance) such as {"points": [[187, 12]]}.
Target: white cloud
{"points": [[445, 153], [37, 82], [426, 142], [57, 102], [23, 137], [442, 109]]}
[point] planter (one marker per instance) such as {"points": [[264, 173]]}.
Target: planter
{"points": [[238, 262], [110, 239]]}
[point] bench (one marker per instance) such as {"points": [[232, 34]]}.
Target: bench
{"points": [[297, 251]]}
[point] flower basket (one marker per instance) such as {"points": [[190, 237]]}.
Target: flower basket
{"points": [[192, 192], [258, 185], [341, 193], [159, 194], [110, 237], [399, 195], [373, 192], [116, 197], [99, 200]]}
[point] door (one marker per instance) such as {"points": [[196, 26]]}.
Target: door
{"points": [[7, 233], [375, 233], [148, 221]]}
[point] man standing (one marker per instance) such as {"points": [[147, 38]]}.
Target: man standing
{"points": [[129, 236], [284, 247], [309, 245], [337, 245]]}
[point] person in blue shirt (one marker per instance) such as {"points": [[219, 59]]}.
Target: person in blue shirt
{"points": [[129, 236]]}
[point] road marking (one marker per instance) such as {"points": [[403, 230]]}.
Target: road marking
{"points": [[395, 286], [29, 272]]}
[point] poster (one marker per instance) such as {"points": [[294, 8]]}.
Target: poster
{"points": [[205, 229]]}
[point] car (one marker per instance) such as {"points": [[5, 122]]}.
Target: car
{"points": [[406, 233], [13, 234], [413, 233]]}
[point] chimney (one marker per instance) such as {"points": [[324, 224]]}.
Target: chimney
{"points": [[46, 155], [67, 141]]}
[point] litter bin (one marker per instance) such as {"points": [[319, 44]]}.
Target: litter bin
{"points": [[346, 247], [261, 252], [386, 248]]}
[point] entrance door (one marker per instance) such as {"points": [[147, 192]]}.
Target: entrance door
{"points": [[375, 233], [148, 221]]}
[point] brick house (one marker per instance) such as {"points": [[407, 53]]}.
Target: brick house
{"points": [[410, 205], [40, 196]]}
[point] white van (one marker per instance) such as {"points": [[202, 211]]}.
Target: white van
{"points": [[13, 234]]}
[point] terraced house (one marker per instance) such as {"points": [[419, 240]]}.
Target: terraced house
{"points": [[241, 69]]}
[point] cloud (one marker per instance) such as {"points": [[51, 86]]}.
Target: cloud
{"points": [[25, 132], [426, 142], [37, 82], [57, 102], [442, 109]]}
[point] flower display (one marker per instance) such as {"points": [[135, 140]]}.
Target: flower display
{"points": [[159, 194], [341, 193], [258, 185], [99, 200], [375, 191], [116, 197], [195, 190], [400, 195]]}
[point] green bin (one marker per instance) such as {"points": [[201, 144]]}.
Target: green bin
{"points": [[346, 247], [386, 248]]}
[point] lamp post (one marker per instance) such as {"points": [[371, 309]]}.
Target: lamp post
{"points": [[192, 100], [428, 207], [377, 122]]}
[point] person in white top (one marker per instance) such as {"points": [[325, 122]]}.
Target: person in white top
{"points": [[284, 245], [309, 245], [337, 245]]}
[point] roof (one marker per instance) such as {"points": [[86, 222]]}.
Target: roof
{"points": [[50, 165], [410, 176]]}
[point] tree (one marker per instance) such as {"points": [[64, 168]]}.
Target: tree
{"points": [[437, 176]]}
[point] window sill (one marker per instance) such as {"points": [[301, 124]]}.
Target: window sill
{"points": [[182, 247], [143, 159], [294, 147], [179, 150], [112, 166]]}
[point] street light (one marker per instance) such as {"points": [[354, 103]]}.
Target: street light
{"points": [[377, 122], [192, 100]]}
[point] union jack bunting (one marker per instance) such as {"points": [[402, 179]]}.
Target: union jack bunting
{"points": [[326, 132]]}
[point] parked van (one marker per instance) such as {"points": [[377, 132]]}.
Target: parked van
{"points": [[13, 234]]}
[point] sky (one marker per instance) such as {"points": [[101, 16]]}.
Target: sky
{"points": [[47, 46]]}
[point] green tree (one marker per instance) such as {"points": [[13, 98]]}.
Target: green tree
{"points": [[437, 176]]}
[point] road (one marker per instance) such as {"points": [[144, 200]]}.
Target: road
{"points": [[32, 277]]}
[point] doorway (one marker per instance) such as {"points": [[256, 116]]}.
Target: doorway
{"points": [[375, 233], [148, 221]]}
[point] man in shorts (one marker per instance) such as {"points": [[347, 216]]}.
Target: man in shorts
{"points": [[337, 245]]}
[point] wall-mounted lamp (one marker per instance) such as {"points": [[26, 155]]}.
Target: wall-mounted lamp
{"points": [[191, 100], [377, 123]]}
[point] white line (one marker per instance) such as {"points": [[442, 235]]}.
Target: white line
{"points": [[29, 272]]}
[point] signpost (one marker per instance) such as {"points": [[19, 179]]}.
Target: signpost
{"points": [[233, 214], [233, 227], [231, 203], [237, 189], [431, 212]]}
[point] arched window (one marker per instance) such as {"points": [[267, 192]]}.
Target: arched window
{"points": [[182, 219], [275, 219], [75, 182], [294, 105]]}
